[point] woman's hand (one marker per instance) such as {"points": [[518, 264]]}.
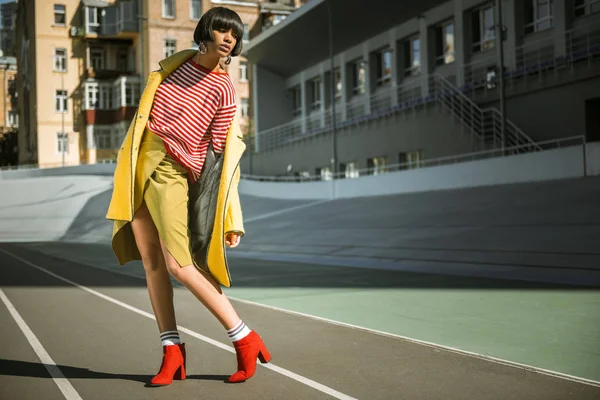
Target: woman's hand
{"points": [[232, 239]]}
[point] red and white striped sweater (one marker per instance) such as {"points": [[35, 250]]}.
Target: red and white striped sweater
{"points": [[193, 106]]}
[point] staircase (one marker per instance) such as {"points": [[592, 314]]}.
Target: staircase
{"points": [[485, 124]]}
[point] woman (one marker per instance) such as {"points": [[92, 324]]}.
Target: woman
{"points": [[187, 109]]}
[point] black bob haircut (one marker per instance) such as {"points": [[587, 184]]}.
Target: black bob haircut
{"points": [[220, 18]]}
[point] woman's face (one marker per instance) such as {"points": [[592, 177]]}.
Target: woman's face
{"points": [[224, 43]]}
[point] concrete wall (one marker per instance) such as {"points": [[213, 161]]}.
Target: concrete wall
{"points": [[562, 108], [548, 165], [275, 102], [430, 130]]}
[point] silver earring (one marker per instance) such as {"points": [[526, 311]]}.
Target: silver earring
{"points": [[203, 48], [228, 60]]}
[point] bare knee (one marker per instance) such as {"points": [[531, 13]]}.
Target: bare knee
{"points": [[152, 258]]}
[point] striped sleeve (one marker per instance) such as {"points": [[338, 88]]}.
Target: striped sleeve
{"points": [[223, 117]]}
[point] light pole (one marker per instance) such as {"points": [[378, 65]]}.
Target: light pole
{"points": [[500, 44], [332, 97]]}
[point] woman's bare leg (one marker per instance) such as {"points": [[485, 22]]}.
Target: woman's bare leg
{"points": [[205, 288], [158, 280]]}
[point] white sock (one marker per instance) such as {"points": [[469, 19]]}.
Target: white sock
{"points": [[239, 331], [169, 338]]}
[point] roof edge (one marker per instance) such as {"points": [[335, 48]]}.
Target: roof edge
{"points": [[263, 36]]}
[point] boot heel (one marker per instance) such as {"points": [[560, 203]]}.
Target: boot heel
{"points": [[263, 354], [180, 374]]}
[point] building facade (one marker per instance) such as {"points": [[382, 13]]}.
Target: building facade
{"points": [[404, 83], [83, 64], [8, 106], [8, 15]]}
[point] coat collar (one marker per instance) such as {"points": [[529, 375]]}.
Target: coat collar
{"points": [[173, 62]]}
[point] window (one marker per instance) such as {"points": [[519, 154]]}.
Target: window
{"points": [[445, 43], [315, 94], [91, 96], [350, 170], [123, 60], [483, 27], [168, 8], [12, 119], [583, 7], [106, 95], [97, 58], [62, 142], [103, 137], [358, 77], [92, 21], [490, 77], [296, 101], [245, 106], [98, 96], [411, 159], [60, 60], [538, 15], [132, 94], [246, 36], [60, 101], [195, 9], [412, 56], [243, 71], [377, 165], [325, 173], [337, 76], [60, 17], [384, 67], [170, 46]]}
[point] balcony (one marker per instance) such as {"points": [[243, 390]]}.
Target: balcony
{"points": [[101, 20], [109, 60], [110, 101]]}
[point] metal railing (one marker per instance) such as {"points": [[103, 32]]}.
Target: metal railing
{"points": [[536, 59], [433, 162], [484, 125]]}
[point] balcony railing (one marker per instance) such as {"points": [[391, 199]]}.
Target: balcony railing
{"points": [[485, 126], [532, 61]]}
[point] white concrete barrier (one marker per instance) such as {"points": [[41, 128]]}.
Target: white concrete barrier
{"points": [[546, 165]]}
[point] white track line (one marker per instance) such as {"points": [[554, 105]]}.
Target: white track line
{"points": [[63, 383], [309, 382], [434, 345], [285, 210]]}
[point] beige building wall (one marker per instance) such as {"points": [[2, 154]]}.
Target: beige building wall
{"points": [[50, 122], [158, 28]]}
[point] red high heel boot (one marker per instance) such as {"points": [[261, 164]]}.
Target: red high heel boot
{"points": [[246, 350], [172, 367]]}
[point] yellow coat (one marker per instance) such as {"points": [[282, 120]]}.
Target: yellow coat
{"points": [[228, 216]]}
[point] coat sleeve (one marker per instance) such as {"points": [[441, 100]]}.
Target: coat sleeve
{"points": [[234, 221]]}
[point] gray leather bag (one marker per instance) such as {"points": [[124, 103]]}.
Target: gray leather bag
{"points": [[202, 203]]}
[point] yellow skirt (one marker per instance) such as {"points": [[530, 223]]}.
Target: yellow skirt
{"points": [[162, 183]]}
